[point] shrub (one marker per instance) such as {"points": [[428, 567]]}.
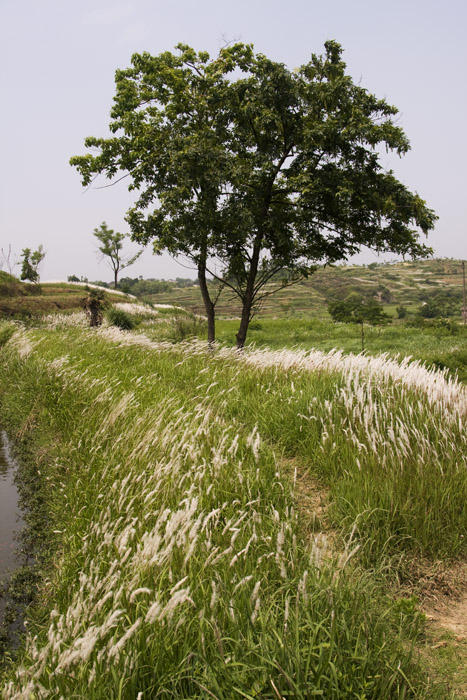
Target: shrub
{"points": [[121, 319]]}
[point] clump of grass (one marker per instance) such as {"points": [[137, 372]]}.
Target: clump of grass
{"points": [[187, 326], [121, 319], [6, 331]]}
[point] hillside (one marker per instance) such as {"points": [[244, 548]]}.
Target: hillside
{"points": [[394, 284], [22, 300]]}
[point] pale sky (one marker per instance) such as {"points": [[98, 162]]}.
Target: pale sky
{"points": [[57, 63]]}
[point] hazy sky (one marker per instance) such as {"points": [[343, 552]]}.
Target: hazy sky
{"points": [[58, 58]]}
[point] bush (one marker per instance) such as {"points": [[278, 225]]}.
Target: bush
{"points": [[121, 319]]}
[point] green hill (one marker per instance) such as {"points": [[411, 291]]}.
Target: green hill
{"points": [[394, 284]]}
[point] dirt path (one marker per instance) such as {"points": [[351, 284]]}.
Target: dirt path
{"points": [[446, 643], [453, 618]]}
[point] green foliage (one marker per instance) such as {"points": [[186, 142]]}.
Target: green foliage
{"points": [[401, 312], [30, 263], [358, 309], [441, 304], [141, 287], [269, 171], [121, 319], [10, 286], [128, 458], [183, 282], [111, 245]]}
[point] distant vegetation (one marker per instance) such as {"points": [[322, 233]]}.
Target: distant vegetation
{"points": [[427, 288], [422, 299]]}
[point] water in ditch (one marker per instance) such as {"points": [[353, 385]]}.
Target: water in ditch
{"points": [[10, 515]]}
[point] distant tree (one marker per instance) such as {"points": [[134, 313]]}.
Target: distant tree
{"points": [[271, 169], [185, 282], [30, 263], [358, 309], [402, 312], [111, 246], [72, 278], [441, 305], [140, 287]]}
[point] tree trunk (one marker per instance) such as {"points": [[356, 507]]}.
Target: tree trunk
{"points": [[247, 299], [115, 278], [208, 304], [244, 323]]}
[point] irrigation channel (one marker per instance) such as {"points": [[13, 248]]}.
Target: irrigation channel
{"points": [[11, 521]]}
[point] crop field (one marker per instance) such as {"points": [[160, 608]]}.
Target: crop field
{"points": [[223, 524]]}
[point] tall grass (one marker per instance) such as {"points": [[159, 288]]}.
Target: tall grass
{"points": [[440, 346], [181, 567]]}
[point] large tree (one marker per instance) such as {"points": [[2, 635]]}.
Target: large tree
{"points": [[241, 160]]}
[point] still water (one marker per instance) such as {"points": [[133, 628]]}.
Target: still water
{"points": [[10, 516]]}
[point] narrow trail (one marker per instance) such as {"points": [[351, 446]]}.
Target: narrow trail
{"points": [[446, 612]]}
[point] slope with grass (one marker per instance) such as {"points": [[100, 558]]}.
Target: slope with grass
{"points": [[22, 300], [185, 560], [394, 284]]}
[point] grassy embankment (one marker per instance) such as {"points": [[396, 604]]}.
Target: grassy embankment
{"points": [[24, 301], [196, 501]]}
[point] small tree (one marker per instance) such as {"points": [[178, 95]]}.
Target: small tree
{"points": [[358, 309], [111, 245], [402, 312], [30, 263]]}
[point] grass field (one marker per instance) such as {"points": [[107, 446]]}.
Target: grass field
{"points": [[226, 525]]}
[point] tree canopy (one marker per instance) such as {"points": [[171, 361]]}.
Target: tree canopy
{"points": [[249, 168], [358, 309]]}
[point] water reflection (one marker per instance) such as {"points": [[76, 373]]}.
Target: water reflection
{"points": [[10, 516]]}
